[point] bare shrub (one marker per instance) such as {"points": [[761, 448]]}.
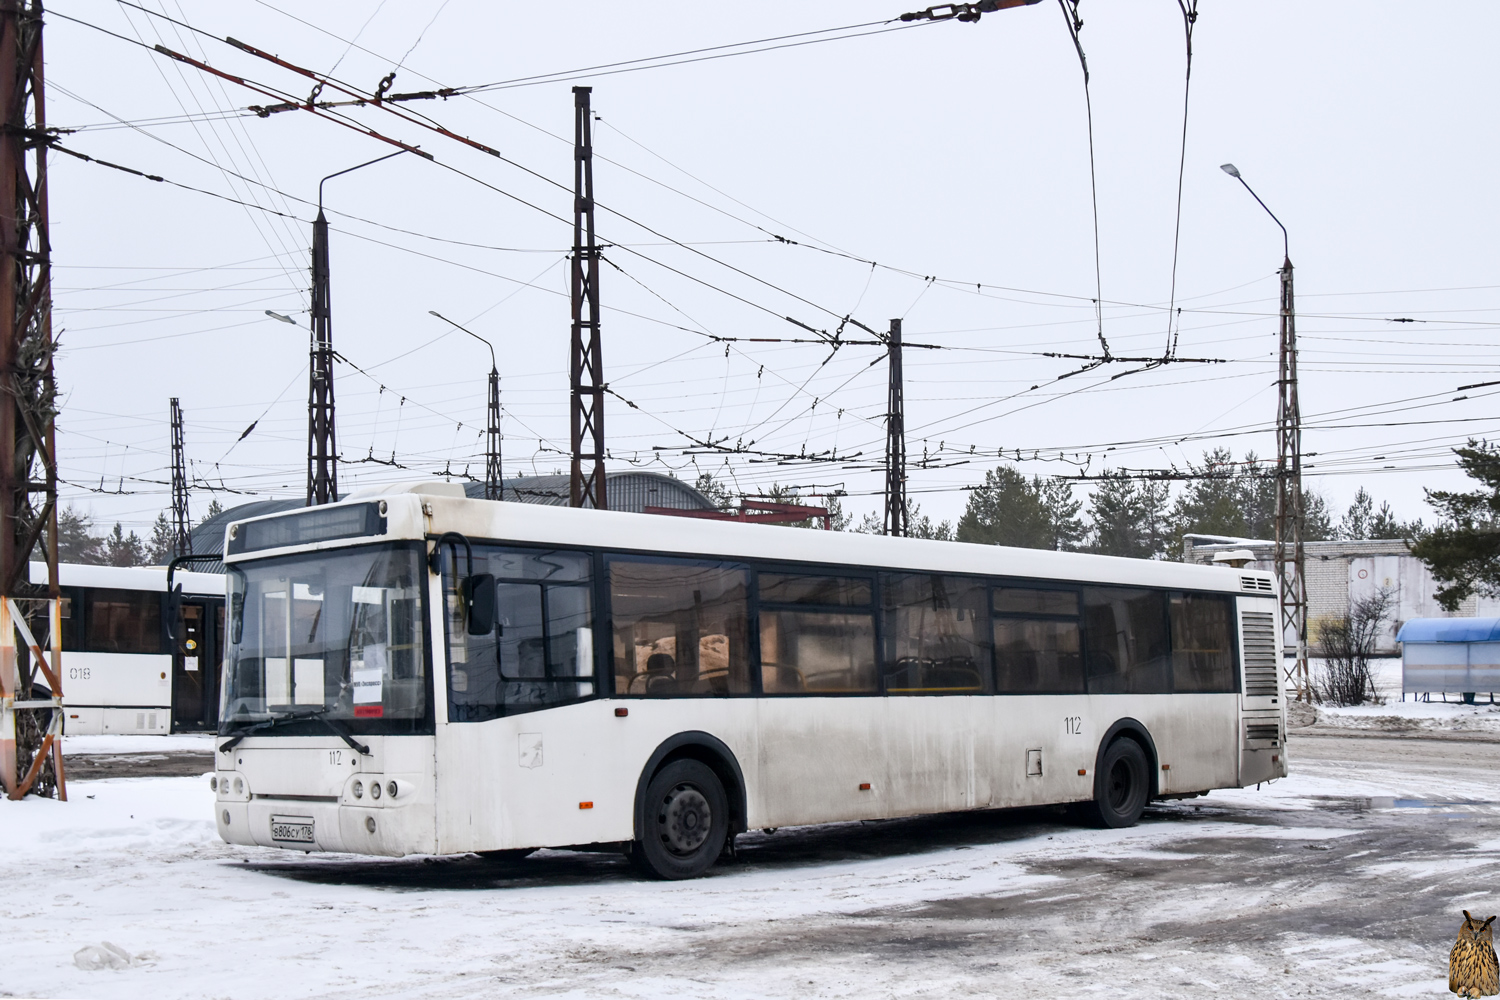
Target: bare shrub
{"points": [[1348, 643]]}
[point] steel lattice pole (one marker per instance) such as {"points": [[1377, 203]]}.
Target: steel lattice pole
{"points": [[895, 439], [182, 539], [585, 366], [1290, 517], [30, 725], [322, 447]]}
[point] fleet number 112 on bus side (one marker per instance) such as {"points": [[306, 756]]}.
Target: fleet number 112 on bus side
{"points": [[411, 671]]}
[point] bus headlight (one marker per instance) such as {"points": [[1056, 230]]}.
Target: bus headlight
{"points": [[359, 790], [374, 789], [390, 788], [213, 783]]}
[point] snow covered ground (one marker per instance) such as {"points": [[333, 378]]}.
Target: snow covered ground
{"points": [[1346, 877], [1409, 715]]}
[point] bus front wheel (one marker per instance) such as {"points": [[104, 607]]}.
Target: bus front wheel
{"points": [[1122, 785], [686, 821]]}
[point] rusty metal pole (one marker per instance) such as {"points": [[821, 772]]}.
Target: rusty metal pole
{"points": [[895, 439], [1291, 518], [30, 727], [1291, 560], [322, 446], [585, 365], [493, 474], [182, 539]]}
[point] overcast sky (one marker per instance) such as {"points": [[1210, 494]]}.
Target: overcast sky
{"points": [[954, 156]]}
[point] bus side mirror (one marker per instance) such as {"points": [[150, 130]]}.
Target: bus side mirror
{"points": [[236, 617], [479, 603], [173, 612]]}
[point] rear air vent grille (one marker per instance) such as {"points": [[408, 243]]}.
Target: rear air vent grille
{"points": [[1258, 584], [1259, 629], [1263, 731]]}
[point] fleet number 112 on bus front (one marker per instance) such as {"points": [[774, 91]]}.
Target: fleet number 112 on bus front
{"points": [[410, 671]]}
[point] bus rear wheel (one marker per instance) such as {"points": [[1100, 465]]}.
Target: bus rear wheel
{"points": [[686, 821], [1122, 785]]}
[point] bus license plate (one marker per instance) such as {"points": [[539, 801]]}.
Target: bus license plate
{"points": [[292, 829]]}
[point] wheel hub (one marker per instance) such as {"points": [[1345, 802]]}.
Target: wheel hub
{"points": [[685, 819]]}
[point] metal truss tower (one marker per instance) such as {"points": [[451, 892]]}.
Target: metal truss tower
{"points": [[895, 439], [493, 475], [182, 539], [1291, 561], [322, 443], [30, 680], [586, 366]]}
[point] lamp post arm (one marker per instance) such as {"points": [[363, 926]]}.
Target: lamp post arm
{"points": [[1286, 243], [351, 170], [493, 366]]}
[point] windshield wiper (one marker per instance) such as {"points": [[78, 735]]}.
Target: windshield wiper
{"points": [[318, 713]]}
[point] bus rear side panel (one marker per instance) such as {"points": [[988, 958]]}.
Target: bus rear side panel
{"points": [[1262, 733], [117, 693]]}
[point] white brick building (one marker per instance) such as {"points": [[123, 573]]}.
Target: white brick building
{"points": [[1339, 571]]}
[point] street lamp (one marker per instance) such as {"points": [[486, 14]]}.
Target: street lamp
{"points": [[493, 488], [1291, 560], [322, 448], [1233, 171]]}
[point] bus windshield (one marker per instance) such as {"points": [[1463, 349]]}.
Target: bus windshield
{"points": [[333, 634]]}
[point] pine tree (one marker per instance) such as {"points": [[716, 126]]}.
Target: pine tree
{"points": [[1008, 510], [163, 544], [721, 496], [121, 549], [1129, 518], [76, 541], [1214, 502], [1357, 520], [214, 510], [1062, 511], [1463, 550]]}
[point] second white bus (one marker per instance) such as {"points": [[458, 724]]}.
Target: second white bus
{"points": [[416, 672]]}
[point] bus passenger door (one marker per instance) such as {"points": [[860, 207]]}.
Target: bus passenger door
{"points": [[192, 670]]}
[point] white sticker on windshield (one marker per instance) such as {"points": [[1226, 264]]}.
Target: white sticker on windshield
{"points": [[369, 595], [278, 684], [367, 686], [307, 681]]}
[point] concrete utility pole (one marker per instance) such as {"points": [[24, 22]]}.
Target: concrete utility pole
{"points": [[895, 439], [585, 365], [30, 726], [1291, 519], [182, 539]]}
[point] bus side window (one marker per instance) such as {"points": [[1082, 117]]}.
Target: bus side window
{"points": [[1202, 651], [541, 652], [124, 621], [821, 640], [935, 641], [1037, 641], [679, 628], [1125, 635]]}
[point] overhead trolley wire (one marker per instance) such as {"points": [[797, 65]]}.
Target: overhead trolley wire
{"points": [[1189, 10], [1075, 24]]}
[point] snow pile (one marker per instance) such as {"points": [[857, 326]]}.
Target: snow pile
{"points": [[112, 744]]}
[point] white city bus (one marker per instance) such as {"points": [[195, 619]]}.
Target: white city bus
{"points": [[415, 672], [124, 670]]}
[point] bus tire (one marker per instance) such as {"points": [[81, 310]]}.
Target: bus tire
{"points": [[1122, 785], [686, 821]]}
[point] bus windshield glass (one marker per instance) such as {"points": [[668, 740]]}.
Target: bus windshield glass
{"points": [[336, 635]]}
